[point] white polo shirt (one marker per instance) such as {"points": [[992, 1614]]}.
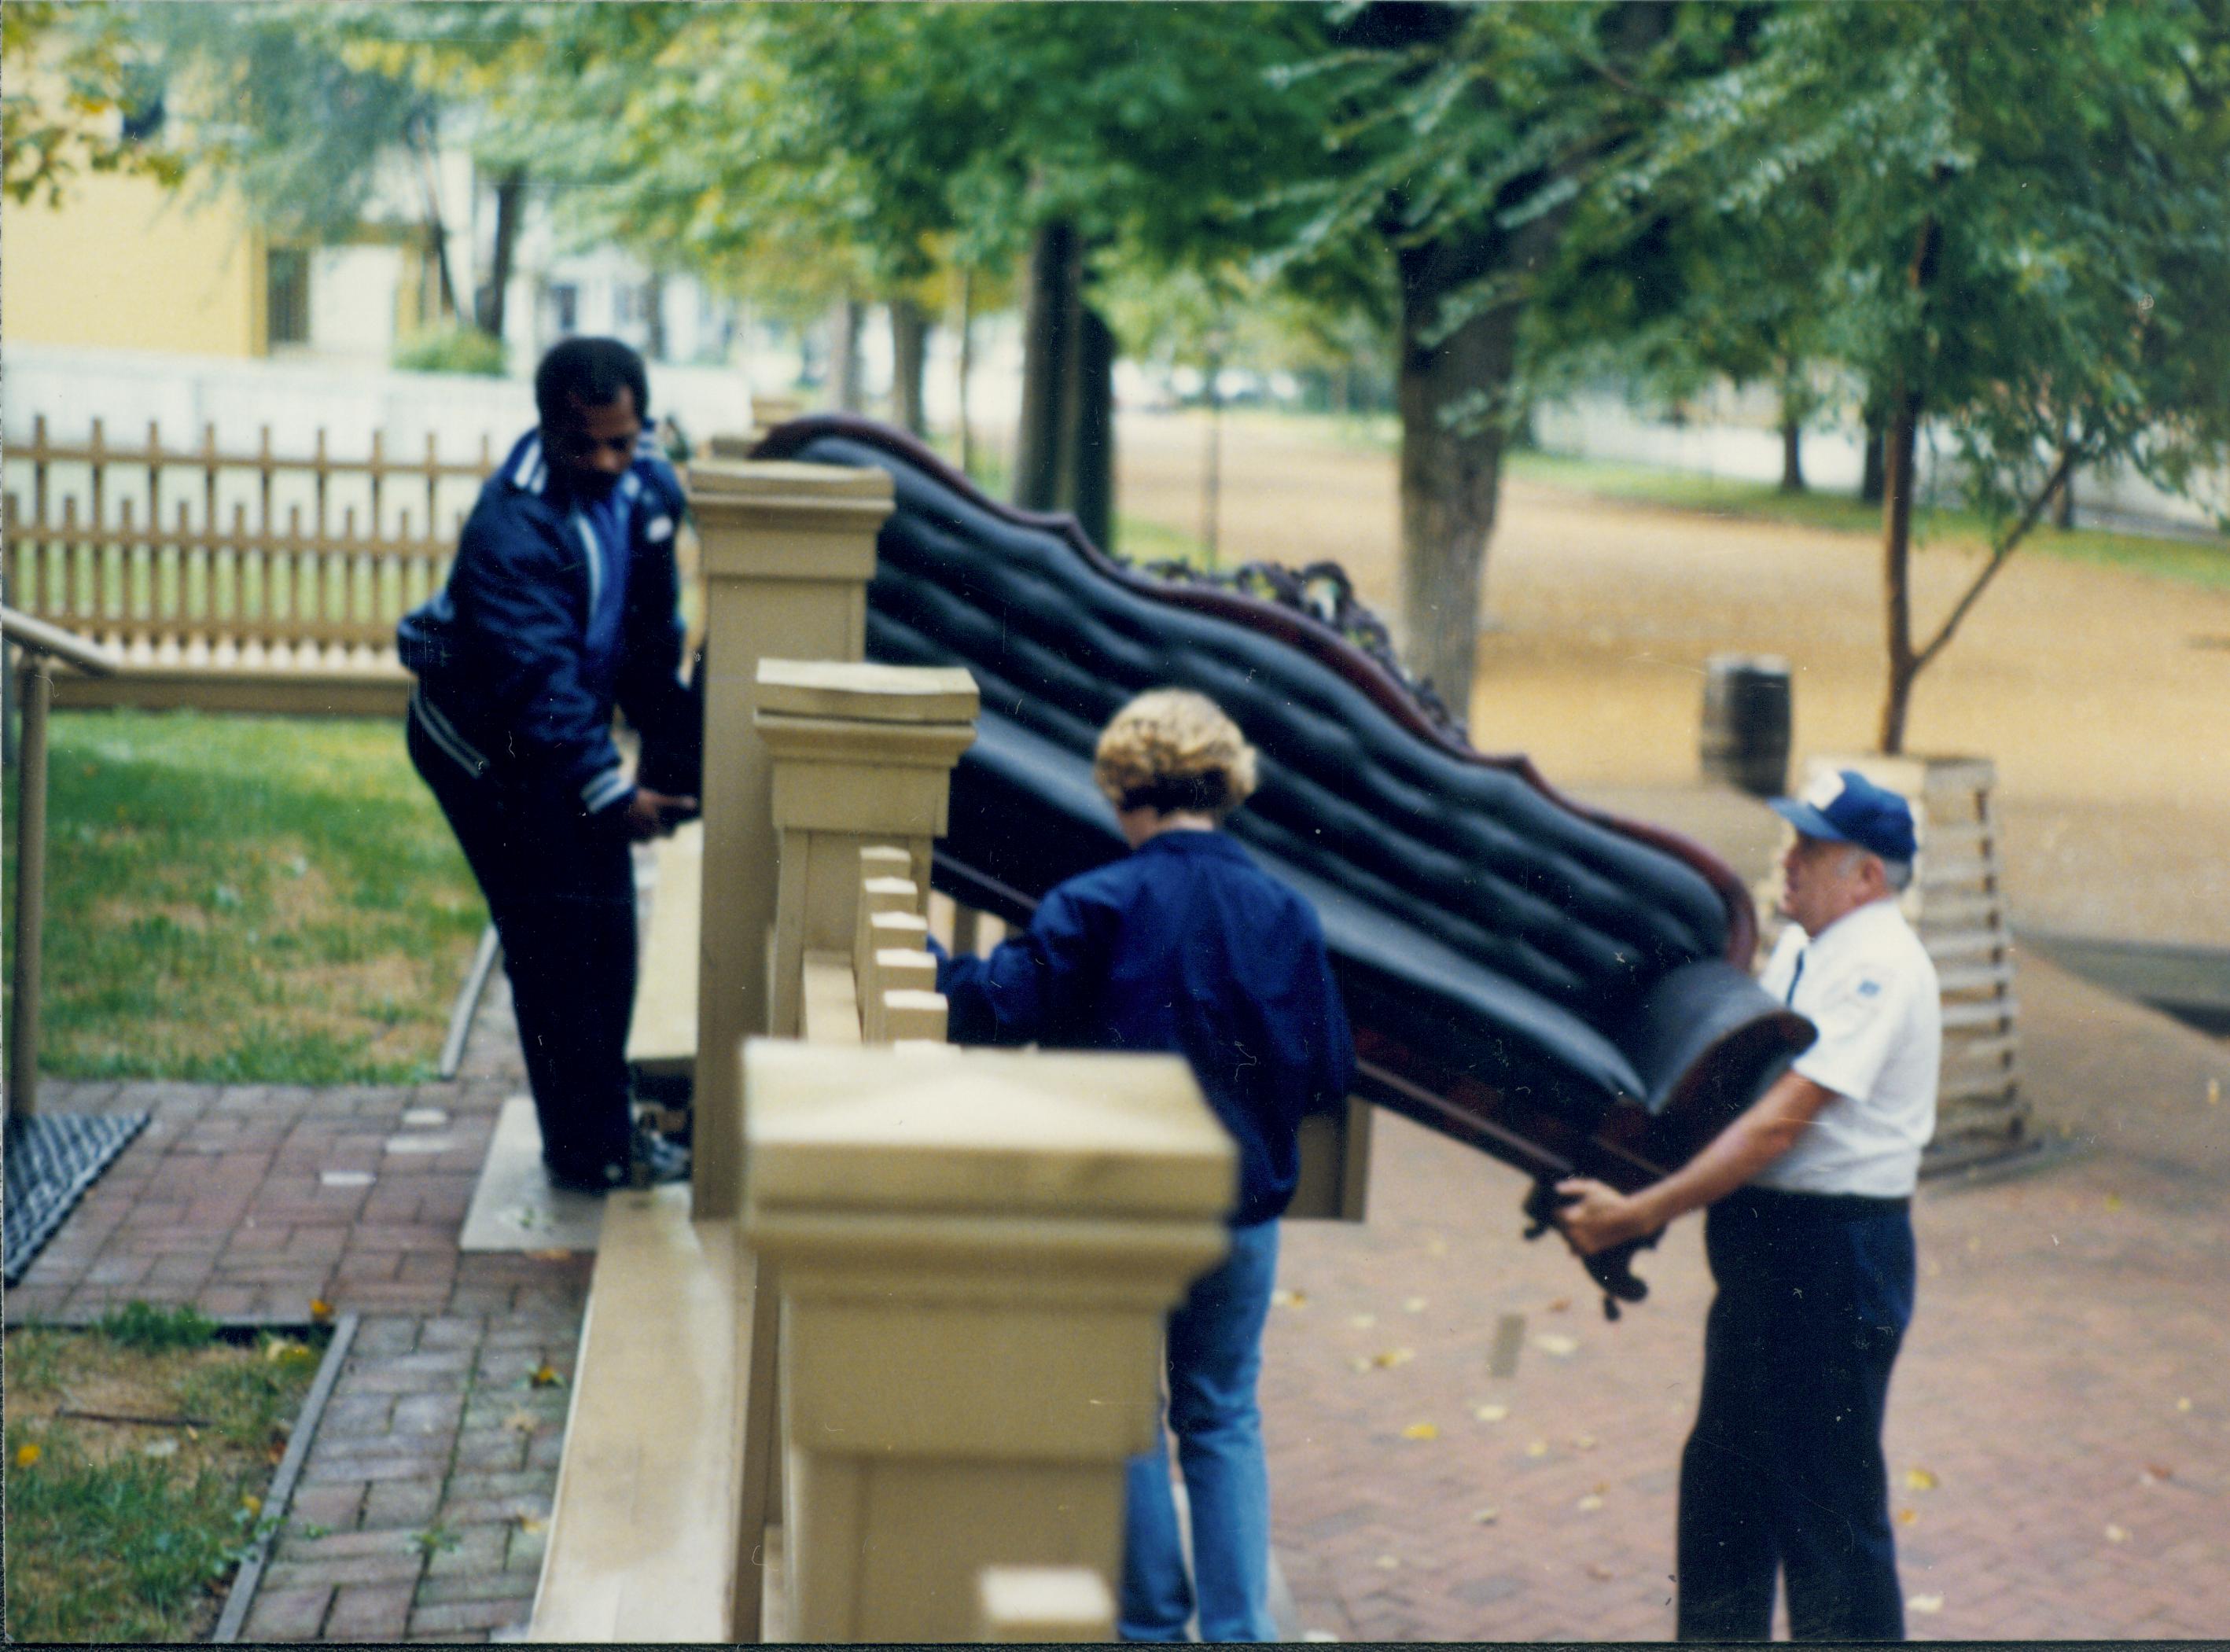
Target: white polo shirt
{"points": [[1867, 983]]}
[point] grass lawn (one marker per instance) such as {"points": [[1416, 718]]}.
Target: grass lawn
{"points": [[245, 900], [2196, 562], [129, 1532]]}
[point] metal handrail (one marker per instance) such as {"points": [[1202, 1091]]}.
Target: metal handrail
{"points": [[43, 644], [40, 637]]}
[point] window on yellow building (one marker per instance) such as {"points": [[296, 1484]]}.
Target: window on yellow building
{"points": [[289, 274]]}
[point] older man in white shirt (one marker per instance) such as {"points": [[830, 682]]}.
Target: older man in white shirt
{"points": [[1810, 1243]]}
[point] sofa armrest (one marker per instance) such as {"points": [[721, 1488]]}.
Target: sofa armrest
{"points": [[1706, 1040]]}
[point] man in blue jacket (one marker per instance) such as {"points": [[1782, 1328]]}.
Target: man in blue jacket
{"points": [[562, 604]]}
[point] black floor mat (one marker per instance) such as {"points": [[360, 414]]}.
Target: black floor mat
{"points": [[52, 1158]]}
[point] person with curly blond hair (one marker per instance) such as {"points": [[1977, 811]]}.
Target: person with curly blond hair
{"points": [[1186, 945]]}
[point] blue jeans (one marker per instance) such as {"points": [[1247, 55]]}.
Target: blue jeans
{"points": [[1215, 1355]]}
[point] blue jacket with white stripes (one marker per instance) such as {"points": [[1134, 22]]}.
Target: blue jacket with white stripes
{"points": [[501, 653]]}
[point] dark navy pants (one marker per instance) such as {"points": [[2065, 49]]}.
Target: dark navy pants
{"points": [[1784, 1470], [560, 888]]}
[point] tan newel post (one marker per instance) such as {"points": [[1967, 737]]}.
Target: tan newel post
{"points": [[976, 1249], [788, 550], [859, 759], [862, 756]]}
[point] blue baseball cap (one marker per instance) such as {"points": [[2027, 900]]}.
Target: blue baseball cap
{"points": [[1847, 808]]}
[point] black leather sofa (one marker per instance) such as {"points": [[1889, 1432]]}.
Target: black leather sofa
{"points": [[1546, 982]]}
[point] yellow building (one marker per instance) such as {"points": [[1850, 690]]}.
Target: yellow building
{"points": [[126, 264]]}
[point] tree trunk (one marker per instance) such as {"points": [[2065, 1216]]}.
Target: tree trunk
{"points": [[2063, 505], [1870, 462], [844, 355], [909, 357], [510, 199], [1900, 484], [1899, 441], [1792, 454], [424, 151], [967, 364], [1211, 489], [653, 308], [1050, 328], [1091, 494], [1449, 475]]}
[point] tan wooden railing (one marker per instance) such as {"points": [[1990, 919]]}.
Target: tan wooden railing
{"points": [[877, 1373]]}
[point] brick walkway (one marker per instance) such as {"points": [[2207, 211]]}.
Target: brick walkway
{"points": [[2062, 1385], [2067, 1314], [421, 1510]]}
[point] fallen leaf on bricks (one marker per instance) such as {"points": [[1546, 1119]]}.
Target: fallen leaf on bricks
{"points": [[2155, 1474], [2113, 1201], [522, 1422], [1421, 1431], [1562, 1304], [530, 1525], [546, 1376], [1537, 1449], [1485, 1516], [1508, 1341], [1583, 1442], [1388, 1563], [1561, 1347], [2214, 1093], [1414, 1304], [1907, 1516], [321, 1311], [1588, 1504], [1920, 1480], [1926, 1605], [2183, 1402], [1289, 1298], [2115, 1534], [1387, 1358], [1489, 1413], [1363, 1321], [1600, 1572]]}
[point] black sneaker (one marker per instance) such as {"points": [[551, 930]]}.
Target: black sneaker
{"points": [[657, 1161], [599, 1178]]}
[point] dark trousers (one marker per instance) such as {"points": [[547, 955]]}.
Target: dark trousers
{"points": [[1784, 1470], [560, 888]]}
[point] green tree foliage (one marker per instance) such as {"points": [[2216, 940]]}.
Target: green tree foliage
{"points": [[77, 95], [1464, 161], [2015, 219]]}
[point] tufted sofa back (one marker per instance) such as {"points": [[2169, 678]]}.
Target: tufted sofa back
{"points": [[1457, 891]]}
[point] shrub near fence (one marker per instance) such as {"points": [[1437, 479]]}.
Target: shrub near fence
{"points": [[258, 581]]}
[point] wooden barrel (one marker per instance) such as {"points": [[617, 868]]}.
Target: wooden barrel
{"points": [[1746, 722]]}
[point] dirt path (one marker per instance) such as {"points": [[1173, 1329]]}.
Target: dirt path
{"points": [[2104, 696]]}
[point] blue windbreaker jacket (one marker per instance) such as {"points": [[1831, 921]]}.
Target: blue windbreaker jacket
{"points": [[505, 686], [1184, 946]]}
